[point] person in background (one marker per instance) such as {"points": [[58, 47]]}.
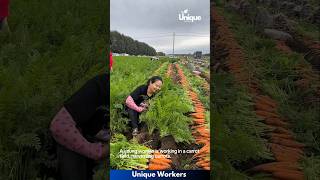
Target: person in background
{"points": [[4, 13], [136, 102], [111, 61], [80, 129]]}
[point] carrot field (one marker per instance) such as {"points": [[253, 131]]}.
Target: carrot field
{"points": [[177, 118], [265, 96]]}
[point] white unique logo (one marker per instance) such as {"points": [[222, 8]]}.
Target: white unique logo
{"points": [[185, 16]]}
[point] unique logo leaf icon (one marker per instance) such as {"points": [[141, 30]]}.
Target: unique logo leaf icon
{"points": [[185, 11]]}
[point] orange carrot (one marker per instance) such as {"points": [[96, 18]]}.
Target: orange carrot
{"points": [[158, 162], [289, 175], [161, 160], [275, 166], [287, 142], [158, 167]]}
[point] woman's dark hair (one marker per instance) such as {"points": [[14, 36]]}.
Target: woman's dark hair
{"points": [[154, 79]]}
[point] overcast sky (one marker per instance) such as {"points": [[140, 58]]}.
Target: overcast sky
{"points": [[154, 22]]}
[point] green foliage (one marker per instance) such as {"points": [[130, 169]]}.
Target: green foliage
{"points": [[101, 172], [46, 58], [118, 144], [166, 113], [311, 167], [29, 140], [129, 72], [173, 59], [305, 123]]}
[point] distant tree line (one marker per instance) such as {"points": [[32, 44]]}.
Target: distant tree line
{"points": [[161, 54], [121, 43]]}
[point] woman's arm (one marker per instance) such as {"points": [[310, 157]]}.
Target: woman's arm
{"points": [[132, 105], [64, 131]]}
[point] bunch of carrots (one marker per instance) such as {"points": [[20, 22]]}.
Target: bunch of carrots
{"points": [[159, 162], [183, 79], [227, 49], [286, 150], [199, 130]]}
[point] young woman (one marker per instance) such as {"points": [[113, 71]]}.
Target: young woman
{"points": [[77, 127], [136, 102]]}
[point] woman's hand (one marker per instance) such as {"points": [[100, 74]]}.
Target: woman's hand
{"points": [[141, 109], [145, 105]]}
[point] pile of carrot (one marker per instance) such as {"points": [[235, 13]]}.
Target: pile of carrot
{"points": [[199, 130], [229, 52], [183, 79], [159, 162], [286, 150], [203, 157]]}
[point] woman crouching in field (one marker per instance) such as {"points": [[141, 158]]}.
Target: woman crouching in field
{"points": [[80, 129], [136, 102]]}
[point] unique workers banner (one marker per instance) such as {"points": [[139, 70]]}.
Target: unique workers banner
{"points": [[168, 174], [159, 93]]}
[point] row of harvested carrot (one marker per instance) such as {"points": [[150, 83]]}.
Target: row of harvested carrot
{"points": [[199, 129], [286, 150], [159, 162], [229, 51]]}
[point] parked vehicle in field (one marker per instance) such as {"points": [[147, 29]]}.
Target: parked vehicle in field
{"points": [[154, 58], [197, 55]]}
